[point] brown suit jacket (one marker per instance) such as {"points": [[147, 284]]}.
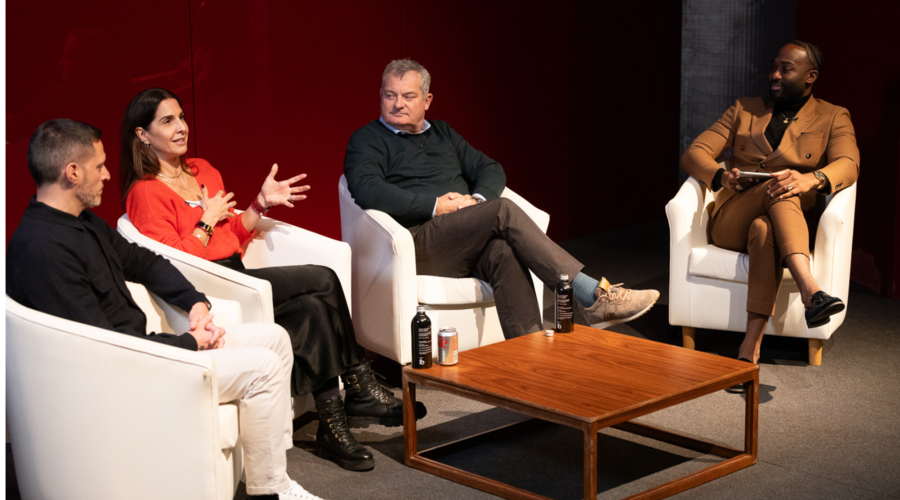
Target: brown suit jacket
{"points": [[822, 138]]}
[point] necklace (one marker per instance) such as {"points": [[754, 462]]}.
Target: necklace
{"points": [[173, 184], [786, 119]]}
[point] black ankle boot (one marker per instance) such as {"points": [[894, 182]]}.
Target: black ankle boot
{"points": [[369, 403], [333, 438]]}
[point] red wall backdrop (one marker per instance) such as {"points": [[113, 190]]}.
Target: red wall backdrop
{"points": [[579, 101], [539, 86], [861, 74]]}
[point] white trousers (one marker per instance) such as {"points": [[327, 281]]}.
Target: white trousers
{"points": [[253, 370]]}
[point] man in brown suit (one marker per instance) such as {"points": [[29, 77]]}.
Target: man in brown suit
{"points": [[809, 147]]}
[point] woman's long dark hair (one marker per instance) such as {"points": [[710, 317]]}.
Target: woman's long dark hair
{"points": [[137, 161]]}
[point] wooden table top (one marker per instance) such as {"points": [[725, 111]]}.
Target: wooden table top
{"points": [[587, 375]]}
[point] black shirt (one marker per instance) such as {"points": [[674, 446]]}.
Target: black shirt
{"points": [[76, 267], [404, 174], [782, 117]]}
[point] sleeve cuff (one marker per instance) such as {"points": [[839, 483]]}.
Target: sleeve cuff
{"points": [[717, 180]]}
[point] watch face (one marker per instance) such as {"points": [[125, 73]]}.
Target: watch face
{"points": [[820, 176]]}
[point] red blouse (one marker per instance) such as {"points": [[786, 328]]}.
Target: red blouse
{"points": [[160, 213]]}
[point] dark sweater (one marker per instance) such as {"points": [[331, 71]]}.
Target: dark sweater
{"points": [[404, 174], [76, 267]]}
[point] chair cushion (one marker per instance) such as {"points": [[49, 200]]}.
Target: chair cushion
{"points": [[228, 425], [709, 261], [435, 290]]}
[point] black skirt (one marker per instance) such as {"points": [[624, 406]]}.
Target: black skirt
{"points": [[309, 303]]}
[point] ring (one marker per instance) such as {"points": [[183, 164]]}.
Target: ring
{"points": [[790, 187]]}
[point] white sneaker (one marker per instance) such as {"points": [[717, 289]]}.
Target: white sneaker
{"points": [[296, 492]]}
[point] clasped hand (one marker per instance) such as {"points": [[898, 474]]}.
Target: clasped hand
{"points": [[451, 202], [281, 193], [208, 335], [216, 208]]}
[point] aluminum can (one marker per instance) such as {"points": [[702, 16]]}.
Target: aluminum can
{"points": [[448, 346]]}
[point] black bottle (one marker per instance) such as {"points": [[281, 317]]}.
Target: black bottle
{"points": [[565, 314], [421, 339]]}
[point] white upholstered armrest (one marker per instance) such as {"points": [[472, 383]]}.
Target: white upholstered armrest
{"points": [[541, 218], [384, 271], [687, 217], [278, 243], [254, 295], [834, 243]]}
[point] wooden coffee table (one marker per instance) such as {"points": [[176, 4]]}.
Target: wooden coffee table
{"points": [[619, 378]]}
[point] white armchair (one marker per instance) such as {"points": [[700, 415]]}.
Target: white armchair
{"points": [[275, 244], [386, 289], [95, 413], [708, 285]]}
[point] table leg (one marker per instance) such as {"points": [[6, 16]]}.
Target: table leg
{"points": [[751, 419], [410, 443], [590, 460]]}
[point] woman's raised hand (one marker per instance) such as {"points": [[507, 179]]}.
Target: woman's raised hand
{"points": [[281, 193], [217, 207]]}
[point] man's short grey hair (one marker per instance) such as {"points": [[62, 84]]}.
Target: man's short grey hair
{"points": [[399, 68], [57, 143]]}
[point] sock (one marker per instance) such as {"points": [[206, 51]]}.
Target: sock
{"points": [[328, 390], [585, 289]]}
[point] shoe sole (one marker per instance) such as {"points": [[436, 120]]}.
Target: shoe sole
{"points": [[741, 388], [365, 422], [606, 324], [359, 465], [824, 316]]}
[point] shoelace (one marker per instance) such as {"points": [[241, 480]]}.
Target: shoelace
{"points": [[618, 294], [383, 394]]}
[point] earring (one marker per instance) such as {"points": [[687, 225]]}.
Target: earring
{"points": [[146, 144]]}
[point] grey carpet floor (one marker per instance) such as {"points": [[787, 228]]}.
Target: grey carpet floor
{"points": [[831, 431]]}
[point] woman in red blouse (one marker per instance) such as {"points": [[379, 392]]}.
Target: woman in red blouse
{"points": [[183, 203]]}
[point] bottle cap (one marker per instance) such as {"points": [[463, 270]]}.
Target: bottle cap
{"points": [[564, 277], [420, 309]]}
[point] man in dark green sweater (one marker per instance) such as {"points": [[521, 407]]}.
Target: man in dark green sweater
{"points": [[447, 193]]}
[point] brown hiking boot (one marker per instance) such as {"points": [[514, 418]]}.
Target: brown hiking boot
{"points": [[616, 305]]}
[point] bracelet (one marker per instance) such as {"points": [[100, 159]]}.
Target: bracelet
{"points": [[200, 237], [258, 208], [205, 227]]}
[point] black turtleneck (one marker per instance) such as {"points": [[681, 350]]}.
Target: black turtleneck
{"points": [[782, 117]]}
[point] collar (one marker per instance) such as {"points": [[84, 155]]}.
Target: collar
{"points": [[42, 211], [793, 107], [425, 127]]}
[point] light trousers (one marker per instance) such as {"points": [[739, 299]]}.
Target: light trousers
{"points": [[254, 370]]}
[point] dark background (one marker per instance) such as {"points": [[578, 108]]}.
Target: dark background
{"points": [[578, 101]]}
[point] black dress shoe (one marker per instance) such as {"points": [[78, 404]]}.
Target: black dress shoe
{"points": [[333, 438], [743, 387], [368, 402], [821, 307]]}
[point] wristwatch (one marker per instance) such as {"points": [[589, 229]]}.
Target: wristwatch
{"points": [[206, 227], [821, 178]]}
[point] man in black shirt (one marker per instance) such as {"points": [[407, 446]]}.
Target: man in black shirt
{"points": [[65, 261], [423, 174]]}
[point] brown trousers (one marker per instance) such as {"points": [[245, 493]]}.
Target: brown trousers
{"points": [[768, 229], [498, 243]]}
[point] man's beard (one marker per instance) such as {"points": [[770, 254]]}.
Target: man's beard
{"points": [[88, 199], [790, 93]]}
